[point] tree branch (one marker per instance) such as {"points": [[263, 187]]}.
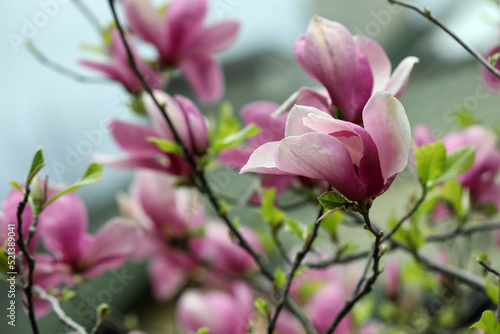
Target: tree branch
{"points": [[462, 231], [425, 12]]}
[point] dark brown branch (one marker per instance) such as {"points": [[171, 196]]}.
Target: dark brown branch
{"points": [[427, 14], [462, 231], [338, 259], [489, 268]]}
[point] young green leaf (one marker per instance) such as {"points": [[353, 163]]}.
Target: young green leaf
{"points": [[16, 185], [295, 227], [363, 310], [235, 139], [203, 330], [430, 160], [457, 162], [91, 175], [488, 323], [452, 192], [465, 118], [332, 200], [261, 306], [270, 212], [166, 146], [492, 291], [36, 164], [279, 278], [332, 222]]}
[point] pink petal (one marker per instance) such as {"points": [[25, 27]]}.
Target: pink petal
{"points": [[63, 225], [295, 124], [109, 248], [118, 72], [385, 120], [132, 138], [323, 157], [272, 128], [262, 160], [167, 276], [298, 51], [214, 39], [399, 78], [324, 307], [423, 135], [236, 157], [143, 20], [379, 62], [184, 21], [196, 124], [491, 81], [205, 76], [316, 98]]}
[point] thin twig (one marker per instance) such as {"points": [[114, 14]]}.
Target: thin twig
{"points": [[205, 187], [337, 260], [54, 302], [30, 261], [85, 10], [376, 255], [427, 14], [489, 268], [462, 231], [296, 264], [54, 66]]}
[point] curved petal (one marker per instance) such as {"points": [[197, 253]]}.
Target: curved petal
{"points": [[167, 277], [298, 51], [174, 112], [323, 157], [118, 72], [109, 248], [385, 120], [236, 157], [143, 20], [399, 78], [380, 64], [184, 21], [295, 124], [213, 39], [132, 138], [262, 160], [195, 122], [306, 97], [205, 76]]}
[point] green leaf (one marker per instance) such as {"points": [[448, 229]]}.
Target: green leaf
{"points": [[430, 160], [465, 118], [488, 323], [37, 164], [279, 278], [332, 200], [166, 146], [457, 162], [16, 185], [492, 291], [494, 58], [349, 247], [203, 330], [452, 192], [91, 175], [295, 227], [235, 139], [261, 306], [416, 236], [270, 212], [363, 310], [137, 105], [332, 222]]}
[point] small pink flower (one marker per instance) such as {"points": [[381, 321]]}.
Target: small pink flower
{"points": [[134, 139], [223, 312], [491, 80], [183, 41], [358, 162], [351, 68], [118, 68], [392, 278]]}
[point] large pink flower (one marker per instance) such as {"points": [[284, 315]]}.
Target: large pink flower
{"points": [[480, 178], [351, 68], [358, 162], [183, 41], [118, 67], [143, 153]]}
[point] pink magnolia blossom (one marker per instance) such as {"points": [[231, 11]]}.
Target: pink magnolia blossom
{"points": [[134, 139], [392, 279], [480, 178], [173, 237], [351, 68], [358, 162], [491, 80], [223, 312], [118, 68], [183, 41]]}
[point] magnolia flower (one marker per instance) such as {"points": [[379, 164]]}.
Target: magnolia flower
{"points": [[490, 79], [358, 162], [480, 178], [135, 139], [173, 237], [351, 68], [182, 41], [271, 129], [223, 312], [392, 279], [118, 67]]}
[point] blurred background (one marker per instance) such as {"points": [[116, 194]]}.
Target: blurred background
{"points": [[68, 118]]}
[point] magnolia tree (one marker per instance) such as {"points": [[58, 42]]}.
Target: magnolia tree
{"points": [[336, 147]]}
